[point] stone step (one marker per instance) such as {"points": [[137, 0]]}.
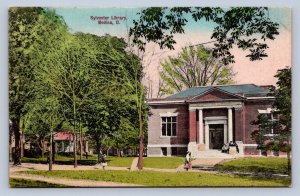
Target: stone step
{"points": [[212, 154]]}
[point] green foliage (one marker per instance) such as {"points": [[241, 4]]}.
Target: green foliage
{"points": [[244, 27], [168, 179], [283, 96], [193, 66], [25, 35], [283, 102], [83, 81], [281, 140], [256, 165], [21, 23]]}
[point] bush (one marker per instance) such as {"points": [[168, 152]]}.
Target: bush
{"points": [[33, 153]]}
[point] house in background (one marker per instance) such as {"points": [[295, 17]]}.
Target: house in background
{"points": [[203, 119], [63, 141]]}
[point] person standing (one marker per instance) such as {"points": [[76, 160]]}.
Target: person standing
{"points": [[187, 164], [103, 161]]}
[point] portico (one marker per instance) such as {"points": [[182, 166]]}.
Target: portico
{"points": [[203, 135]]}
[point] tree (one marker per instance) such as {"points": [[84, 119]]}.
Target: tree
{"points": [[104, 111], [71, 75], [23, 37], [45, 114], [244, 27], [283, 103], [193, 66], [280, 139], [134, 82], [22, 22]]}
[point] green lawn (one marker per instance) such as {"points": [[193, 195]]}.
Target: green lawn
{"points": [[167, 179], [24, 183], [151, 162], [256, 165], [163, 162], [92, 160], [119, 161]]}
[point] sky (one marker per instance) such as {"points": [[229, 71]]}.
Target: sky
{"points": [[246, 72]]}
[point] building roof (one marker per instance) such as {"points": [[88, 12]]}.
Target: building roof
{"points": [[63, 136], [245, 90]]}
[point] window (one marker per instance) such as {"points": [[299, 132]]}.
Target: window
{"points": [[168, 126], [164, 151], [174, 151], [271, 124], [274, 122]]}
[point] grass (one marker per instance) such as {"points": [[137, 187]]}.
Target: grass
{"points": [[163, 162], [119, 161], [150, 162], [256, 165], [92, 160], [167, 179], [24, 183]]}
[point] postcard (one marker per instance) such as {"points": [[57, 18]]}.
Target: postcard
{"points": [[150, 97]]}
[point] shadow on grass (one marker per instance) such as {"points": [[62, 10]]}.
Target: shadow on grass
{"points": [[63, 162], [25, 183]]}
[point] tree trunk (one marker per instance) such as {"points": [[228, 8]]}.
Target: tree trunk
{"points": [[53, 149], [43, 148], [289, 162], [141, 152], [75, 150], [80, 142], [16, 130], [98, 151], [141, 142], [22, 138], [50, 152], [288, 153], [22, 143]]}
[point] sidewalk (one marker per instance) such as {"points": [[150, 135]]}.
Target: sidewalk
{"points": [[80, 183]]}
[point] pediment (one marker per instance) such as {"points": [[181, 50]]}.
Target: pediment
{"points": [[215, 94]]}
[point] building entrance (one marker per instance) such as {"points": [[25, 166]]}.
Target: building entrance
{"points": [[216, 136]]}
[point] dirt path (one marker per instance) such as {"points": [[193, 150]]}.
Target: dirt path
{"points": [[33, 166], [14, 173], [68, 182]]}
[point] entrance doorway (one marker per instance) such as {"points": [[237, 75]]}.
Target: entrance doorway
{"points": [[216, 136]]}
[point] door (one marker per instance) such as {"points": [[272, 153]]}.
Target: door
{"points": [[216, 136]]}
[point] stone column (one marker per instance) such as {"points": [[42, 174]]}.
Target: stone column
{"points": [[201, 134], [206, 136], [225, 134], [230, 132]]}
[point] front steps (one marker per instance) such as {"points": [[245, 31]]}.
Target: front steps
{"points": [[212, 154], [206, 160]]}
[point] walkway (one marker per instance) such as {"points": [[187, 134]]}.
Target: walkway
{"points": [[80, 183]]}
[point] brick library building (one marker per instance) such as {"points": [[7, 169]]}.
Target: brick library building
{"points": [[203, 120]]}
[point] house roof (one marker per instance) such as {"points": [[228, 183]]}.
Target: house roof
{"points": [[63, 135], [246, 90]]}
